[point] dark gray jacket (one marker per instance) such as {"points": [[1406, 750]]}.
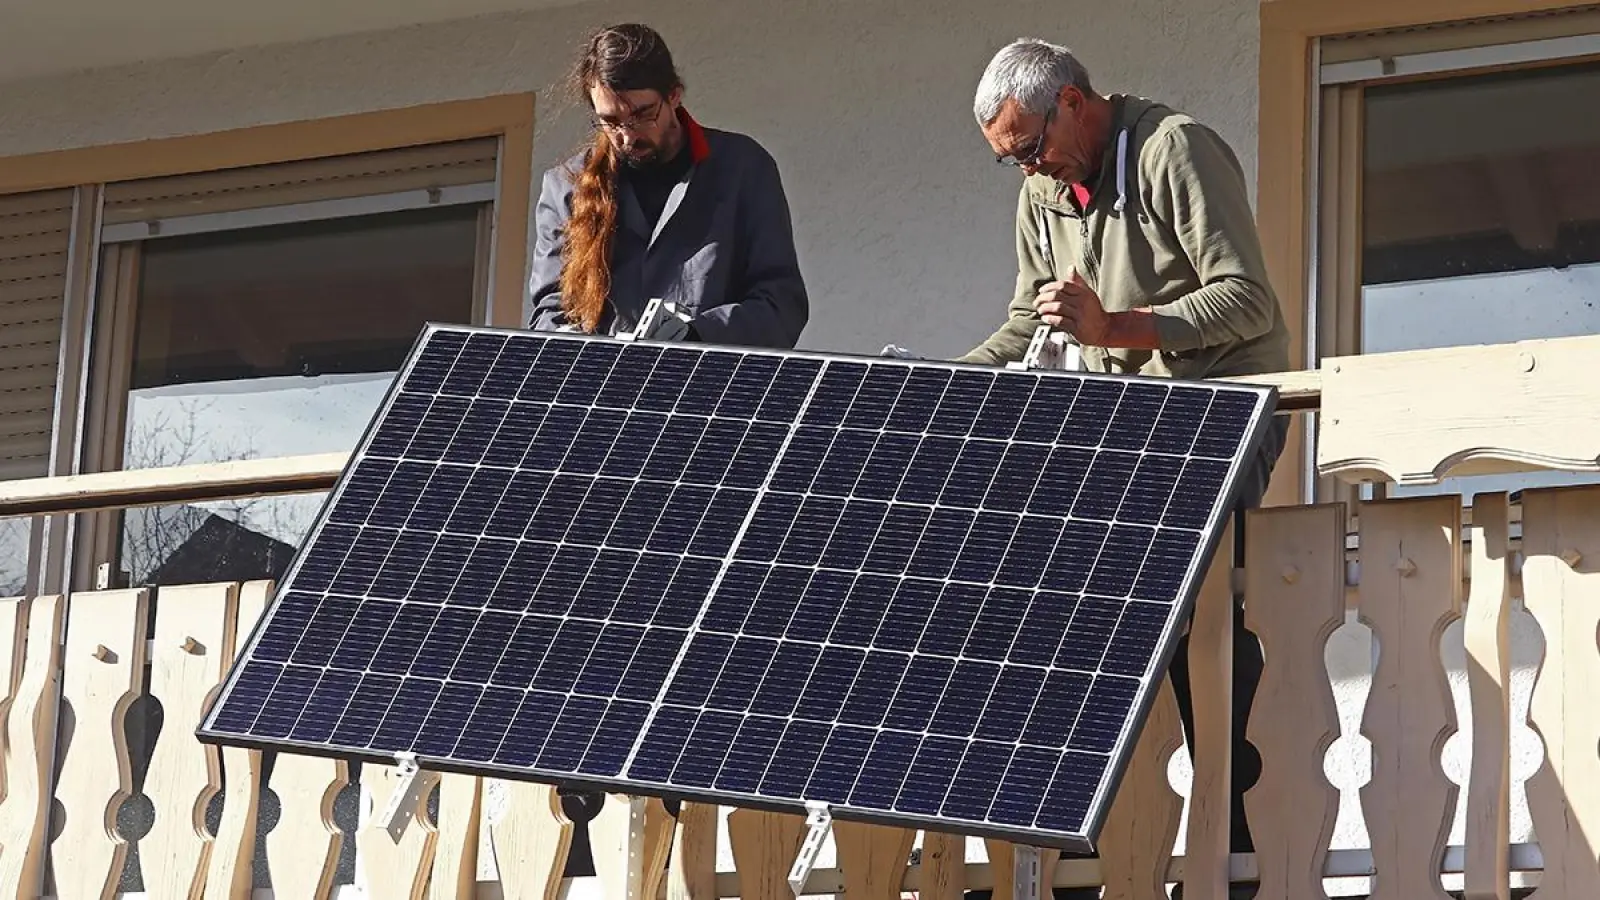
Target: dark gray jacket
{"points": [[723, 249]]}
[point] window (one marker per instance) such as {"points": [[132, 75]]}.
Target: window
{"points": [[263, 313], [1459, 205]]}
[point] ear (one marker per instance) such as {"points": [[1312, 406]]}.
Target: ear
{"points": [[676, 97]]}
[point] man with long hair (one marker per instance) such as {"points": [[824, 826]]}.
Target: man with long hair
{"points": [[660, 207]]}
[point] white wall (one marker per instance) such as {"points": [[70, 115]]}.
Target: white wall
{"points": [[903, 219]]}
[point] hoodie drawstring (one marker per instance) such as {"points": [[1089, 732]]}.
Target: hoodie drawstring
{"points": [[1122, 170]]}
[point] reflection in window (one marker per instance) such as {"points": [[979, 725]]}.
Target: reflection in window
{"points": [[273, 342], [1480, 232]]}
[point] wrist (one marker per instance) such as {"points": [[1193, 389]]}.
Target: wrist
{"points": [[1133, 329]]}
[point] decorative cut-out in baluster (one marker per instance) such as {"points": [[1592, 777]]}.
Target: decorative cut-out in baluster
{"points": [[1410, 591], [303, 848], [455, 858], [1294, 601], [102, 674], [1137, 839], [395, 869], [1206, 849], [30, 725], [1561, 588], [193, 648], [531, 837]]}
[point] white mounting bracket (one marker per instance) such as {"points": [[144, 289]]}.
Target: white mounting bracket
{"points": [[660, 321], [818, 822], [401, 807], [1025, 874], [1050, 349]]}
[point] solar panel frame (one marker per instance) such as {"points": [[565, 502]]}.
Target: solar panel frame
{"points": [[1265, 397]]}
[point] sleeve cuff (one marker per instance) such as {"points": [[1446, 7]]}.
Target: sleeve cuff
{"points": [[1176, 333]]}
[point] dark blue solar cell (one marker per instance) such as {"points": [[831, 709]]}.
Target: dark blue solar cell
{"points": [[575, 640], [438, 354], [1133, 646], [477, 428], [569, 568], [701, 666], [897, 539], [853, 535], [708, 746], [750, 754], [820, 606], [592, 445], [748, 386], [840, 764], [554, 438], [1120, 561], [931, 774], [614, 739], [522, 497], [1010, 704], [740, 674], [876, 398], [1074, 556], [1105, 485], [631, 451], [439, 426], [802, 458], [992, 535], [403, 416], [768, 529], [687, 593], [588, 373], [977, 780], [929, 471], [326, 706], [795, 759], [863, 613], [361, 640], [885, 770], [813, 528], [1042, 628], [1092, 409], [754, 458], [530, 728], [321, 635], [509, 369], [572, 734], [646, 586], [487, 727], [1020, 473], [404, 639], [442, 568], [598, 510], [1071, 791], [715, 451], [834, 394], [1136, 416], [874, 689], [925, 680], [364, 485], [667, 380], [845, 460], [887, 466], [549, 371], [286, 703], [509, 443], [998, 623], [286, 626], [1028, 556], [775, 606], [1003, 407], [952, 620], [918, 400], [608, 662], [680, 519], [447, 720], [789, 390], [959, 405], [1225, 425], [522, 576], [1193, 500], [648, 672], [525, 651], [1171, 555], [964, 698], [975, 470], [1180, 421], [1056, 709], [627, 376], [1023, 787], [483, 649], [1047, 409], [704, 390], [723, 519], [1089, 633], [832, 679], [365, 712], [478, 500], [1150, 489], [785, 680], [406, 714], [908, 615]]}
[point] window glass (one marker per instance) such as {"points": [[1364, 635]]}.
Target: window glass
{"points": [[273, 342], [1481, 219]]}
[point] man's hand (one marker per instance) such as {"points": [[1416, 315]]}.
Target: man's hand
{"points": [[1075, 308]]}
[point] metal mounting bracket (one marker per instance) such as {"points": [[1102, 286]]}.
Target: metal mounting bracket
{"points": [[660, 321], [1025, 874], [818, 822], [401, 806], [1050, 349]]}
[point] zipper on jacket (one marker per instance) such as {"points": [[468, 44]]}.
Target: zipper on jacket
{"points": [[1093, 275]]}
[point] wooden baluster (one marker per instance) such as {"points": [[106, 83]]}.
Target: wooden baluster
{"points": [[29, 725], [531, 837], [693, 873], [1003, 868], [1487, 636], [303, 848], [626, 849], [102, 671], [1561, 589], [1410, 591], [1141, 827], [396, 869], [230, 870], [455, 857], [193, 649], [764, 847], [1207, 849], [872, 859], [1294, 601], [942, 875]]}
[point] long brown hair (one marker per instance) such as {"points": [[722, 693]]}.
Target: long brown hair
{"points": [[622, 58]]}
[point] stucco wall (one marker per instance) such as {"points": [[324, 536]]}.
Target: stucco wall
{"points": [[902, 216]]}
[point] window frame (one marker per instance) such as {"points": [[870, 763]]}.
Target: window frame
{"points": [[87, 416], [1295, 150]]}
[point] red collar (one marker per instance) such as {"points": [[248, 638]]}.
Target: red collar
{"points": [[699, 148]]}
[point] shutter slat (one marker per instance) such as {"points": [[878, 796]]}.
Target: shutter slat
{"points": [[35, 233], [332, 178]]}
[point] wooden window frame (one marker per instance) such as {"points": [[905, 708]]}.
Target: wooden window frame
{"points": [[81, 428], [1287, 163]]}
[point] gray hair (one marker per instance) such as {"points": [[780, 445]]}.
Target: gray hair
{"points": [[1031, 72]]}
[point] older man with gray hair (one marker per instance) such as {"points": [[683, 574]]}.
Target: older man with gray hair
{"points": [[1135, 237]]}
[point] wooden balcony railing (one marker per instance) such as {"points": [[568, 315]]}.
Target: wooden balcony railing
{"points": [[1476, 720]]}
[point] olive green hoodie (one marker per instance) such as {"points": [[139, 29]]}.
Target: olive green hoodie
{"points": [[1168, 226]]}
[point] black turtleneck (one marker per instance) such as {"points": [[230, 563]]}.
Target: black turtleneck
{"points": [[652, 186]]}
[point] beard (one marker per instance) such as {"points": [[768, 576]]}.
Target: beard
{"points": [[642, 157]]}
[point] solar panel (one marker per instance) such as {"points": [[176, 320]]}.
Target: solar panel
{"points": [[922, 593]]}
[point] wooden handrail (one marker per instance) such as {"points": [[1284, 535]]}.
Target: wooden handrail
{"points": [[318, 472]]}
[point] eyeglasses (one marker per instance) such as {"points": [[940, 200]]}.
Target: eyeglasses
{"points": [[637, 121], [1038, 146]]}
